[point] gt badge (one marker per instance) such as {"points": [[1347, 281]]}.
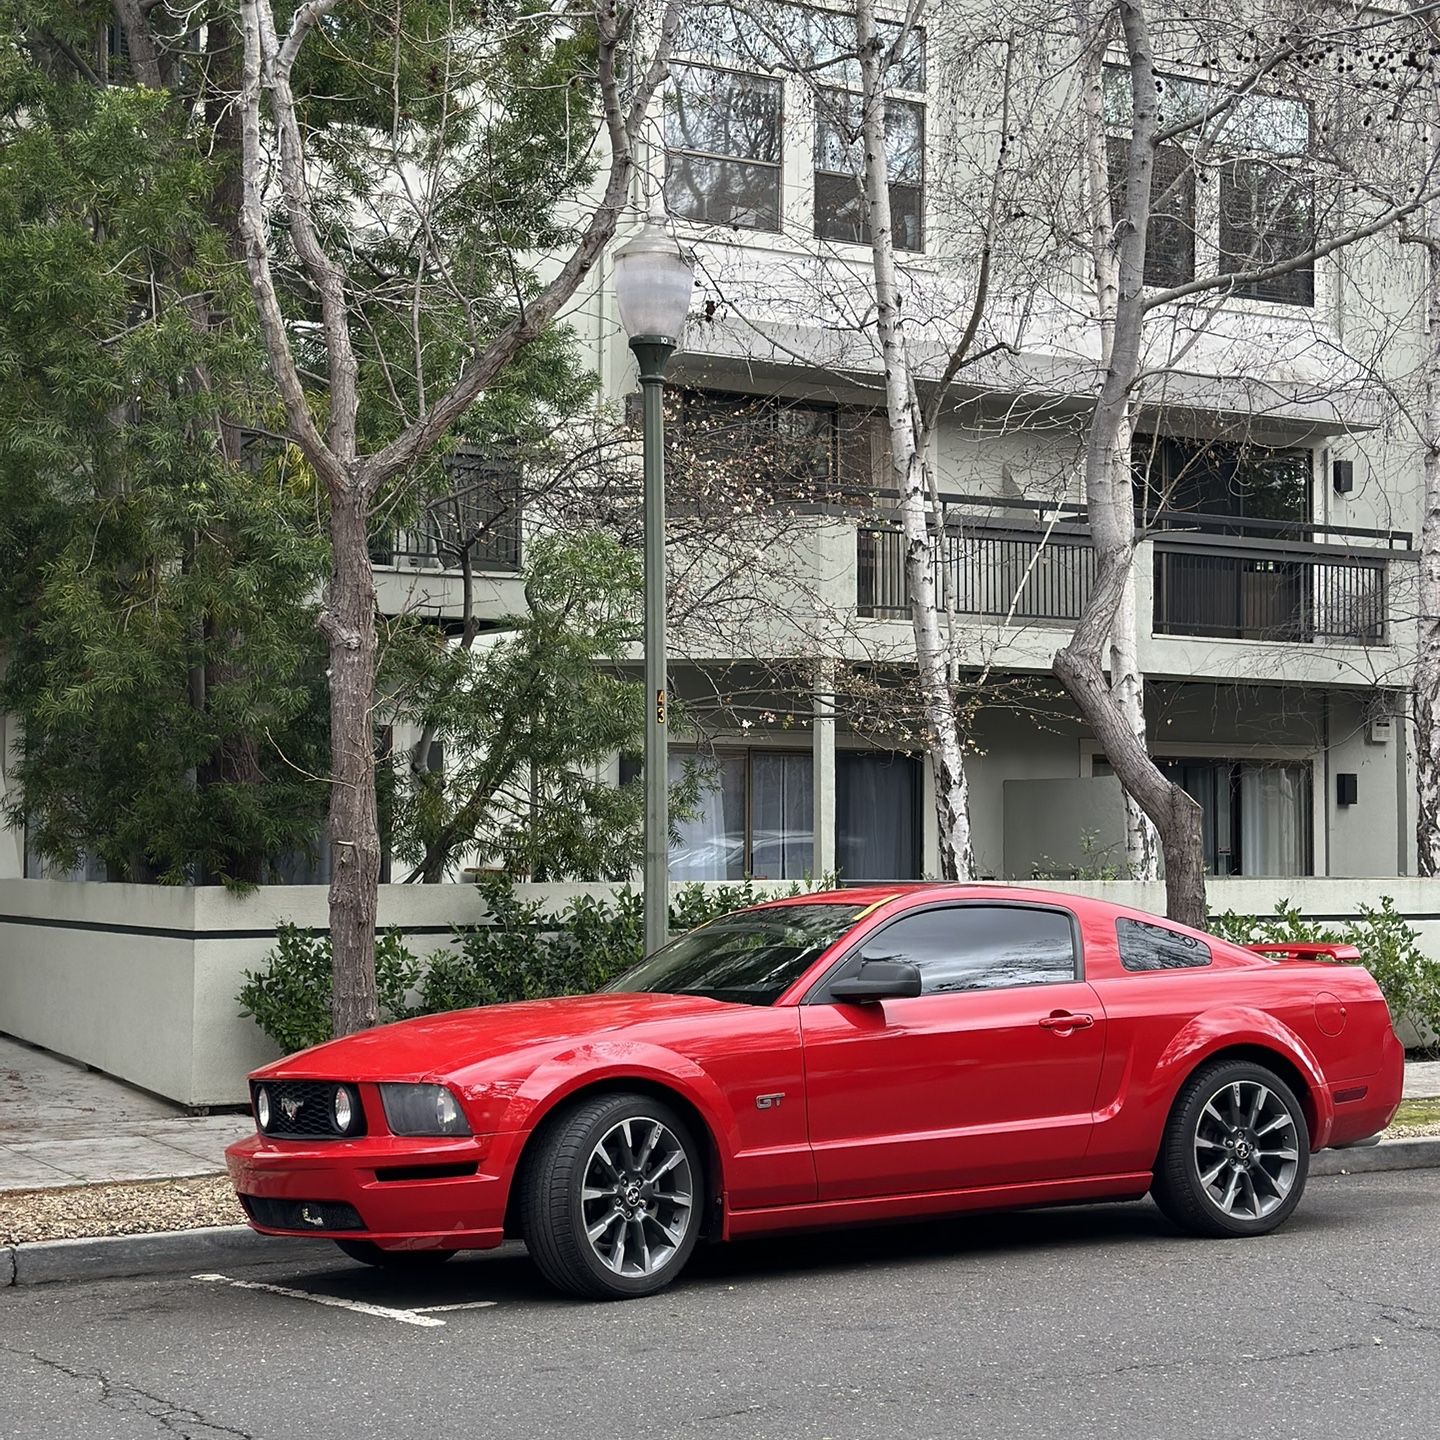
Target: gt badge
{"points": [[769, 1102]]}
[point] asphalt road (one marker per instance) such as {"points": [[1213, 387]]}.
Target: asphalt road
{"points": [[1073, 1323]]}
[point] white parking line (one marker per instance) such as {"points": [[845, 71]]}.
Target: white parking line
{"points": [[420, 1316]]}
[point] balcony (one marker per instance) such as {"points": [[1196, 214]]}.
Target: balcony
{"points": [[987, 569], [1027, 566], [468, 540]]}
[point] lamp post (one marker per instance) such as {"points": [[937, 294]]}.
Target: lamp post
{"points": [[653, 281]]}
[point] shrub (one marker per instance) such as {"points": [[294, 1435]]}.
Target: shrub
{"points": [[520, 953], [290, 999], [1409, 980]]}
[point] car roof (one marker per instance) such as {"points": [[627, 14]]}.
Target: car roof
{"points": [[873, 894]]}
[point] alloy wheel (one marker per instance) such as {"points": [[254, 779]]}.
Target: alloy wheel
{"points": [[1247, 1151], [637, 1197]]}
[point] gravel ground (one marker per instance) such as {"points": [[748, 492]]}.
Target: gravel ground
{"points": [[147, 1205], [117, 1209]]}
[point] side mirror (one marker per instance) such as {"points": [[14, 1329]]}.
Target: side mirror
{"points": [[878, 980]]}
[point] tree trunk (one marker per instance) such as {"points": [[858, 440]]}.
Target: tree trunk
{"points": [[1115, 711], [349, 624], [1175, 815], [908, 462]]}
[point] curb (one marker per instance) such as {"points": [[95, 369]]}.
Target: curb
{"points": [[1421, 1153], [116, 1257]]}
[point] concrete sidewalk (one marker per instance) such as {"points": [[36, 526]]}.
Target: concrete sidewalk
{"points": [[61, 1124]]}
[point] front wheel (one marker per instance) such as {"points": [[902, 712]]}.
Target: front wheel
{"points": [[1236, 1152], [367, 1252], [612, 1199]]}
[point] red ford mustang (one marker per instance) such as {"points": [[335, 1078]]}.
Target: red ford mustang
{"points": [[835, 1058]]}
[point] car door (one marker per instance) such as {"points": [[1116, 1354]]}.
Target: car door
{"points": [[987, 1077]]}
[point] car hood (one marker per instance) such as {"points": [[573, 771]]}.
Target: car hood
{"points": [[435, 1045]]}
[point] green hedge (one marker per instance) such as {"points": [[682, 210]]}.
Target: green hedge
{"points": [[525, 954]]}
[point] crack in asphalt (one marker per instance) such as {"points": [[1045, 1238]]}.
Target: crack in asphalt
{"points": [[122, 1396], [1391, 1312]]}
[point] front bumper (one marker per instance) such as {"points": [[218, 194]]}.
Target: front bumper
{"points": [[408, 1194]]}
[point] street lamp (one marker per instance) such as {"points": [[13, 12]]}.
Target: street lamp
{"points": [[653, 281]]}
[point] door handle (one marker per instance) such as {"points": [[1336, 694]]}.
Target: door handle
{"points": [[1064, 1021]]}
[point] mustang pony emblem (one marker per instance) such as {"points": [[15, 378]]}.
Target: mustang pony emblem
{"points": [[291, 1107]]}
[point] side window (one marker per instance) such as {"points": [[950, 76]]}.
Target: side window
{"points": [[979, 947], [1155, 947]]}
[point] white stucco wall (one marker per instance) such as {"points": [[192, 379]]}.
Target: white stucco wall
{"points": [[140, 981]]}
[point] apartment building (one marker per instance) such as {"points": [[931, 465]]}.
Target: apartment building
{"points": [[1278, 497]]}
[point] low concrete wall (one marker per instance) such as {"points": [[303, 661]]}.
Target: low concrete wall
{"points": [[139, 981]]}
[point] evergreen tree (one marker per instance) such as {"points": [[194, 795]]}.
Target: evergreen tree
{"points": [[157, 566]]}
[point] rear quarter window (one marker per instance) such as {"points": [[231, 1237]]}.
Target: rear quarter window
{"points": [[1156, 947]]}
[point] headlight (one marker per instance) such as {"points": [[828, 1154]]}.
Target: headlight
{"points": [[262, 1108], [422, 1110]]}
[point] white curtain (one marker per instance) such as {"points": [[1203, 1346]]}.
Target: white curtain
{"points": [[782, 819], [711, 844], [1274, 810]]}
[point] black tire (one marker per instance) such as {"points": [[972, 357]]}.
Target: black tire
{"points": [[367, 1252], [553, 1211], [1205, 1155]]}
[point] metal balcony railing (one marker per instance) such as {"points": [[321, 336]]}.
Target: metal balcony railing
{"points": [[1215, 575], [1277, 594], [481, 516], [985, 572]]}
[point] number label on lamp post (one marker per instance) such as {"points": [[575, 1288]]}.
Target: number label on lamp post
{"points": [[659, 707]]}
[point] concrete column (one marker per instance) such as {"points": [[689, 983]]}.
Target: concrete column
{"points": [[822, 739]]}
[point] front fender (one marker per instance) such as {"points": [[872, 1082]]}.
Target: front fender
{"points": [[1230, 1027], [616, 1061]]}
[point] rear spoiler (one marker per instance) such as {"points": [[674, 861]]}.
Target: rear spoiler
{"points": [[1336, 954]]}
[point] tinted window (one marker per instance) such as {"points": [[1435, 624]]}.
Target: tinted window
{"points": [[1153, 947], [979, 947]]}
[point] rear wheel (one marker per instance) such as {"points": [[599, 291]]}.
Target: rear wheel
{"points": [[367, 1252], [611, 1199], [1236, 1152]]}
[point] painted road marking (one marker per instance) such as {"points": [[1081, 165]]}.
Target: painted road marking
{"points": [[419, 1316]]}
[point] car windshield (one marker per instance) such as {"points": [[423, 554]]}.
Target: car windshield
{"points": [[751, 957]]}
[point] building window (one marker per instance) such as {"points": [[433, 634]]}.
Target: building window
{"points": [[1267, 215], [877, 816], [755, 817], [1254, 816], [1259, 149], [1170, 240], [724, 125], [788, 450], [840, 210], [723, 145], [1219, 478]]}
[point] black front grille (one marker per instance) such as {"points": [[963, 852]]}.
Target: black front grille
{"points": [[307, 1216], [305, 1110]]}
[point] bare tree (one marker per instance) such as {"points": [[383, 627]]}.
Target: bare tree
{"points": [[1109, 706], [328, 428]]}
